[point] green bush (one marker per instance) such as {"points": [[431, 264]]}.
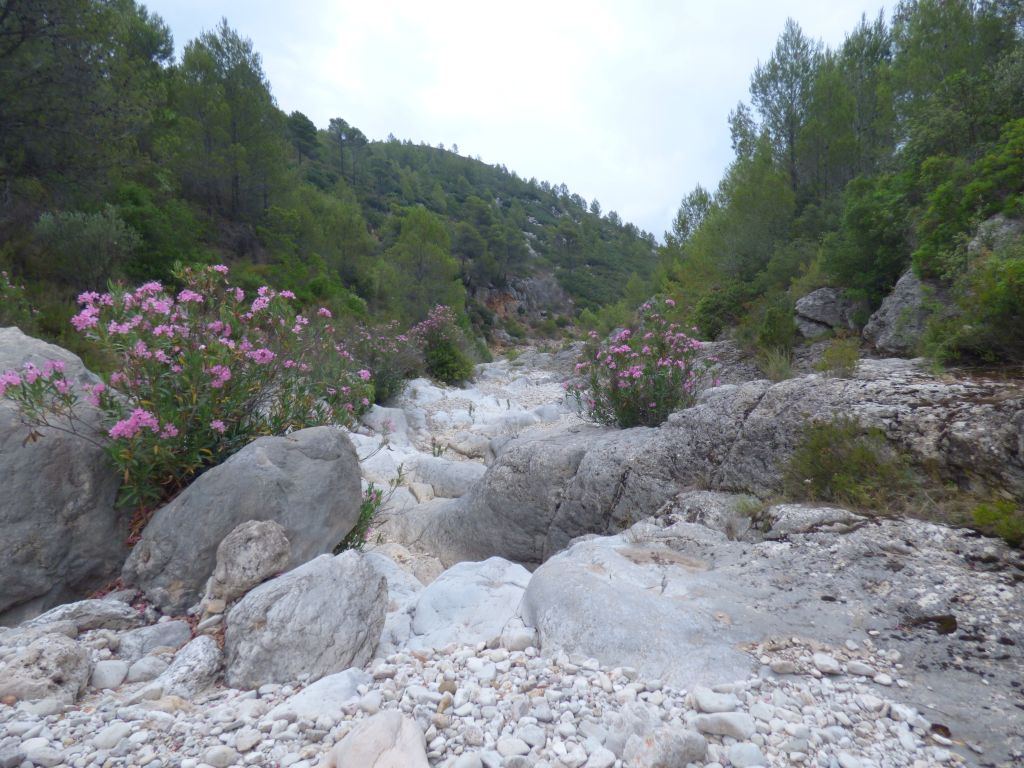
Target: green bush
{"points": [[1002, 517], [770, 324], [840, 358], [83, 249], [719, 309], [447, 363], [844, 463], [777, 364]]}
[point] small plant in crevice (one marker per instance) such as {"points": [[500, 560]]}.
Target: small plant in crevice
{"points": [[839, 359], [776, 363], [1002, 517], [843, 462], [372, 501]]}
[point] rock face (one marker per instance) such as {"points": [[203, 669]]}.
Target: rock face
{"points": [[249, 555], [62, 535], [896, 326], [387, 740], [50, 667], [678, 603], [825, 310], [542, 492], [308, 482], [322, 617]]}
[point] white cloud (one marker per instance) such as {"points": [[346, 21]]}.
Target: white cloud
{"points": [[626, 102]]}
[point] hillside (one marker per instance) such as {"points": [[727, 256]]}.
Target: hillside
{"points": [[117, 160]]}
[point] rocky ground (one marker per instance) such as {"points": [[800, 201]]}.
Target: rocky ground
{"points": [[913, 661]]}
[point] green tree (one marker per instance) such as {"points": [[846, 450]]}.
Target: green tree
{"points": [[422, 272], [302, 133]]}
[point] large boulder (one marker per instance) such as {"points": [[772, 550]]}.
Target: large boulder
{"points": [[322, 617], [308, 482], [542, 492], [681, 602], [62, 535], [897, 325], [824, 310]]}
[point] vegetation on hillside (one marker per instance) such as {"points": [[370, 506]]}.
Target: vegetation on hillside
{"points": [[854, 164], [118, 161]]}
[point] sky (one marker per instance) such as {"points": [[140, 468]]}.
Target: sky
{"points": [[625, 101]]}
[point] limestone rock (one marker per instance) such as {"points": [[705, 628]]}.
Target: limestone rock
{"points": [[668, 745], [824, 310], [253, 552], [322, 617], [468, 603], [91, 614], [108, 673], [449, 479], [308, 482], [897, 325], [324, 697], [386, 740], [62, 534], [195, 667], [50, 667], [168, 634]]}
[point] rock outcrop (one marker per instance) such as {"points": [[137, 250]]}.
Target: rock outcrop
{"points": [[542, 492], [826, 310], [62, 535], [308, 482], [897, 325]]}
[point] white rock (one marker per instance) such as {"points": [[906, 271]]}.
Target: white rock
{"points": [[826, 664], [386, 740], [109, 673], [708, 701], [326, 696]]}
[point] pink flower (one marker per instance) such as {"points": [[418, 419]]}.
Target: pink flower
{"points": [[138, 420], [366, 401], [239, 294], [670, 303], [169, 431], [8, 379], [261, 355], [364, 374], [87, 318], [217, 426], [93, 394], [260, 303], [286, 295], [220, 374], [324, 312], [189, 295], [220, 268]]}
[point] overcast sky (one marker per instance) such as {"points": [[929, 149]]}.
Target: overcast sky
{"points": [[623, 100]]}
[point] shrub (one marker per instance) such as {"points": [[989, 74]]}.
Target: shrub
{"points": [[200, 374], [842, 462], [391, 356], [369, 507], [777, 364], [639, 375], [443, 343], [839, 359], [1002, 517], [83, 248], [14, 306]]}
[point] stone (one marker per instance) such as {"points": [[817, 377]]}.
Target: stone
{"points": [[194, 668], [468, 603], [718, 511], [326, 696], [49, 667], [404, 591], [665, 746], [134, 645], [826, 664], [632, 719], [109, 673], [220, 756], [825, 309], [709, 701], [385, 740], [63, 536], [738, 725], [308, 482], [253, 552], [320, 618], [90, 614], [145, 669], [897, 326], [111, 736], [746, 755]]}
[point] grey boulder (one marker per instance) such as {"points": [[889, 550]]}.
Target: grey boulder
{"points": [[62, 535], [320, 618], [133, 645], [194, 669], [308, 482], [90, 614], [825, 310], [50, 667], [897, 325], [252, 553]]}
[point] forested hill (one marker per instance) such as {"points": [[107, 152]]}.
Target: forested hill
{"points": [[117, 160], [853, 165]]}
